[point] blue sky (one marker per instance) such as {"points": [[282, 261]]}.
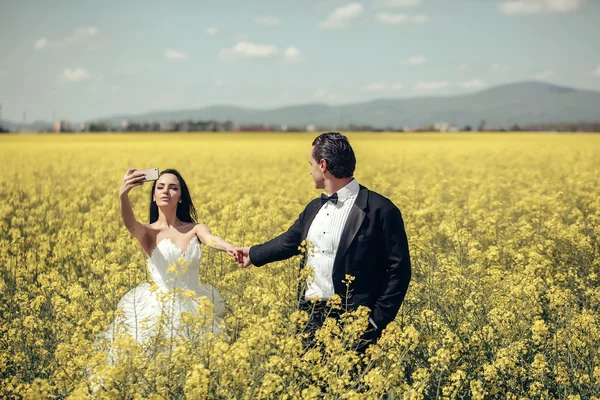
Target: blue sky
{"points": [[82, 59]]}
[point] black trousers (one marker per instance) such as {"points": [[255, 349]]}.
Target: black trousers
{"points": [[317, 313]]}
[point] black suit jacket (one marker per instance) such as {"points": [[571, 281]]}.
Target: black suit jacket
{"points": [[373, 248]]}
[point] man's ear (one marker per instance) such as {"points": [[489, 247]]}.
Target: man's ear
{"points": [[323, 165]]}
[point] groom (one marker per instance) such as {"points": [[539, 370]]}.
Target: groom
{"points": [[354, 231]]}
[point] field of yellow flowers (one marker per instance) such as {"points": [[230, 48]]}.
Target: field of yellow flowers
{"points": [[504, 236]]}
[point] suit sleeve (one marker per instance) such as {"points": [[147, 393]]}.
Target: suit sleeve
{"points": [[398, 269], [282, 247]]}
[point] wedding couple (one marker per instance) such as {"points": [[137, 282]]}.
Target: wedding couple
{"points": [[351, 230]]}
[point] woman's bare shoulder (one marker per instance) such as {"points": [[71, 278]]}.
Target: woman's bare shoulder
{"points": [[199, 227]]}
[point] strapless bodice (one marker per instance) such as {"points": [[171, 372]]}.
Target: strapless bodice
{"points": [[171, 268]]}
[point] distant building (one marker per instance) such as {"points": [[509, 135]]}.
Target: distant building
{"points": [[229, 126], [441, 126], [254, 128], [293, 128], [184, 126], [61, 126], [166, 126]]}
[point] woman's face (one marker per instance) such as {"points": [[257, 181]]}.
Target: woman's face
{"points": [[167, 191]]}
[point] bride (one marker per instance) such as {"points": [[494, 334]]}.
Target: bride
{"points": [[171, 242]]}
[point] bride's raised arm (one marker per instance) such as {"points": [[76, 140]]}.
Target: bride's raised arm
{"points": [[214, 241], [131, 180]]}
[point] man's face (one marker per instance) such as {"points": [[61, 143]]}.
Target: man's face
{"points": [[316, 171]]}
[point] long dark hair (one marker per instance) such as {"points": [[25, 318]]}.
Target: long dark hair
{"points": [[186, 212]]}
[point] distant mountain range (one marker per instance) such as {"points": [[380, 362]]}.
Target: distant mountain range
{"points": [[500, 106]]}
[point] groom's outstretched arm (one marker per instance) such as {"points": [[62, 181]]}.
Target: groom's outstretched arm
{"points": [[283, 246]]}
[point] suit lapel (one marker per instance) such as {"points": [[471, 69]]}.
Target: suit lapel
{"points": [[353, 223], [311, 213]]}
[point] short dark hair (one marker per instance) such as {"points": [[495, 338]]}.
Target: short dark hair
{"points": [[335, 148]]}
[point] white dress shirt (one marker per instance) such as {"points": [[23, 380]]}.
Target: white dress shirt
{"points": [[324, 237]]}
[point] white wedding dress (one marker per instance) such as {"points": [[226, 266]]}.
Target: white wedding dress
{"points": [[147, 311]]}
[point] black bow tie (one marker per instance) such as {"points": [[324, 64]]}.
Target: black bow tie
{"points": [[333, 198]]}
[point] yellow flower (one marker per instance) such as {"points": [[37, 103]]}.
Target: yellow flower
{"points": [[503, 300]]}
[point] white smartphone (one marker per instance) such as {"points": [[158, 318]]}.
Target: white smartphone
{"points": [[151, 174]]}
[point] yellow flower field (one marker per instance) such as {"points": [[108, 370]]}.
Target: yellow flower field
{"points": [[504, 233]]}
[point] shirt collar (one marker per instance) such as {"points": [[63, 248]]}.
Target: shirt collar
{"points": [[351, 189]]}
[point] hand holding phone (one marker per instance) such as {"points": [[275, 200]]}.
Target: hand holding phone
{"points": [[135, 178], [151, 174]]}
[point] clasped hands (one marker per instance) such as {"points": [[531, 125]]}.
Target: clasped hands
{"points": [[241, 255]]}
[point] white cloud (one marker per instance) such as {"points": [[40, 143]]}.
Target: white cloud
{"points": [[115, 89], [342, 16], [291, 54], [375, 86], [501, 69], [325, 94], [395, 19], [220, 82], [473, 84], [563, 5], [387, 18], [246, 50], [75, 74], [78, 35], [543, 75], [212, 31], [528, 7], [380, 86], [175, 54], [2, 72], [596, 71], [267, 20], [402, 3], [516, 7], [40, 43], [423, 86], [414, 60], [83, 33]]}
